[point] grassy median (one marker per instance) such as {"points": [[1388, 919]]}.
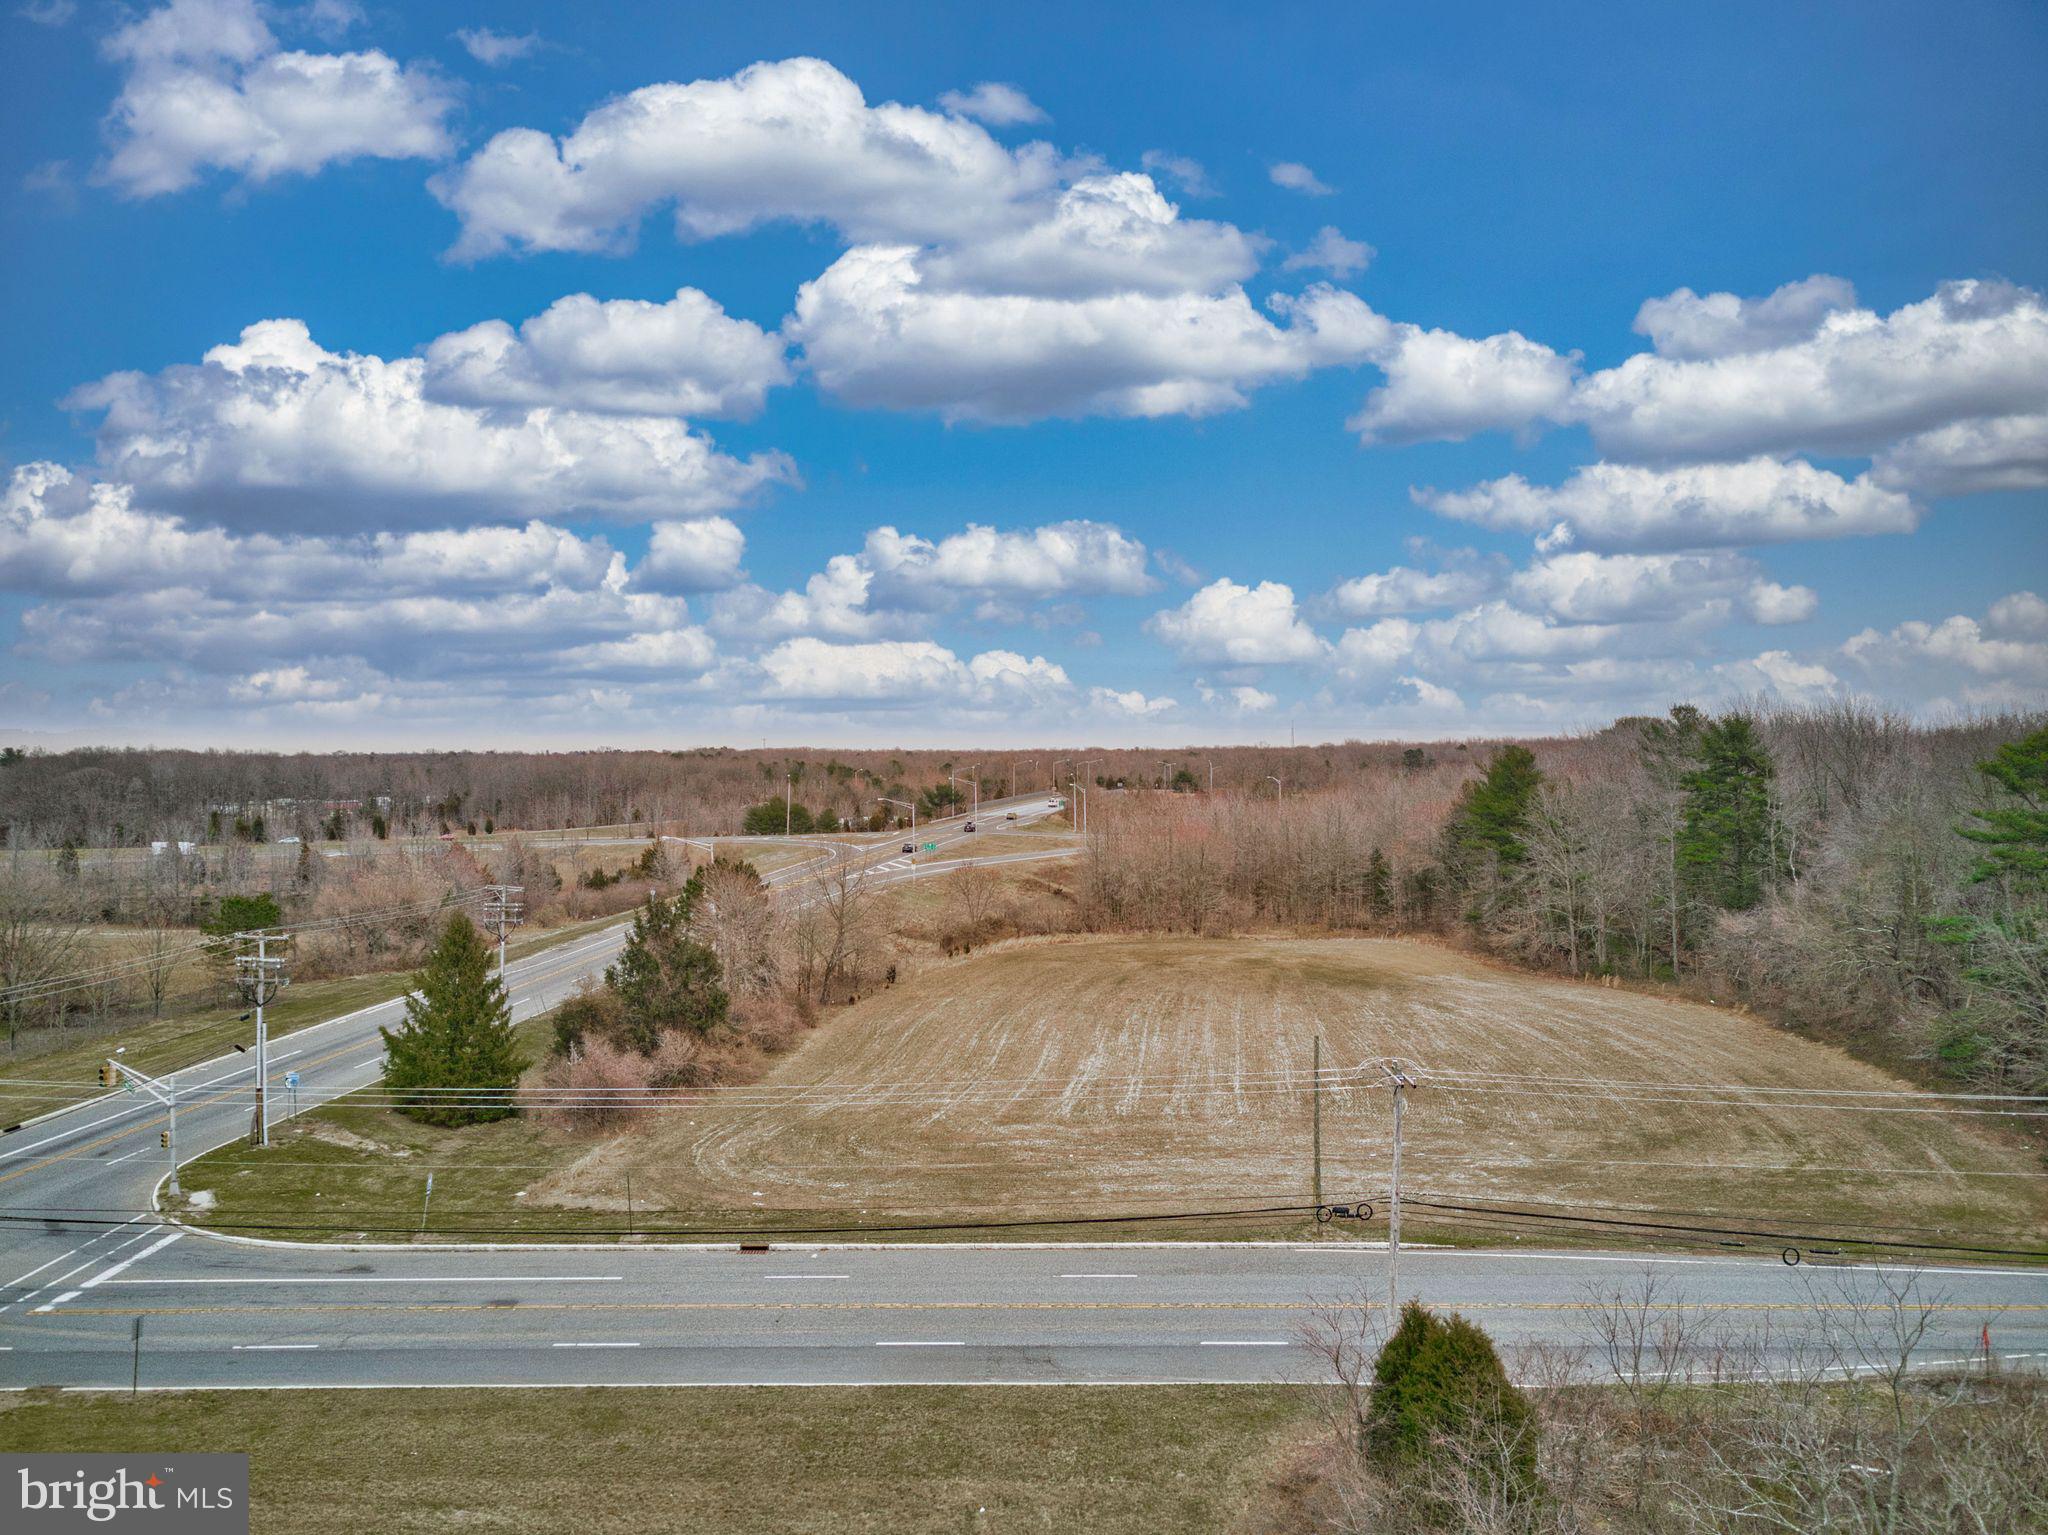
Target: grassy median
{"points": [[1105, 1459]]}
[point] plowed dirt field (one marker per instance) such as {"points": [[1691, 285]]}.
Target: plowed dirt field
{"points": [[1077, 1076]]}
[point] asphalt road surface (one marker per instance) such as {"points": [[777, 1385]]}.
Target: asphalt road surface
{"points": [[217, 1313], [83, 1256]]}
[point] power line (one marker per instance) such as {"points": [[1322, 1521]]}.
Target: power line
{"points": [[1560, 1218]]}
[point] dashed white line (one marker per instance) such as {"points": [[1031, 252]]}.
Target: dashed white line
{"points": [[271, 1348], [920, 1343], [1244, 1343], [52, 1305], [1098, 1276], [593, 1345], [125, 1157], [806, 1276]]}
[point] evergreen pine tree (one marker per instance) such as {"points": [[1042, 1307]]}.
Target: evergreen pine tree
{"points": [[2000, 1032], [457, 1034], [1379, 884], [2015, 829], [663, 977], [1724, 835], [1493, 810]]}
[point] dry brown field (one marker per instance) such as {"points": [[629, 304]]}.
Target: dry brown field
{"points": [[1082, 1075]]}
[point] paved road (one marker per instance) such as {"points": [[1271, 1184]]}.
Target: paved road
{"points": [[226, 1313], [223, 1314], [103, 1158]]}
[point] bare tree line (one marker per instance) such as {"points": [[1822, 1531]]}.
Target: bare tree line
{"points": [[1841, 916]]}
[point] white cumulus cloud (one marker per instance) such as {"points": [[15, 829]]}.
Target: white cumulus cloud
{"points": [[1239, 625], [1859, 383], [1629, 506], [273, 428], [1685, 325], [684, 357], [788, 140], [207, 87]]}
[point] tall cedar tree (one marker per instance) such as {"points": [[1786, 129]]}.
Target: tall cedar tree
{"points": [[1999, 1034], [1493, 810], [457, 1034], [1724, 835], [663, 977], [1443, 1405]]}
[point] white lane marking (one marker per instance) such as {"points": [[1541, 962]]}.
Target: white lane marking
{"points": [[806, 1276], [54, 1304], [375, 1060], [270, 1348], [920, 1343], [133, 1258], [140, 1236], [125, 1157], [1244, 1343], [81, 1247], [593, 1345], [271, 1279], [1098, 1276]]}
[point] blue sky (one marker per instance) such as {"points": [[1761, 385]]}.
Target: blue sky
{"points": [[529, 375]]}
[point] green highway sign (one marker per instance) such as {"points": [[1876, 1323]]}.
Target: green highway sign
{"points": [[931, 847]]}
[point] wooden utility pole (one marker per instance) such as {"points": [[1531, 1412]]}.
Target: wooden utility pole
{"points": [[262, 975], [1400, 1082], [1316, 1088]]}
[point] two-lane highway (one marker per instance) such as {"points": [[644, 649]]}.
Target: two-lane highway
{"points": [[217, 1314], [220, 1312]]}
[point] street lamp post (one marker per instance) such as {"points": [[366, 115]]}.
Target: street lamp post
{"points": [[788, 800], [1279, 788], [969, 779]]}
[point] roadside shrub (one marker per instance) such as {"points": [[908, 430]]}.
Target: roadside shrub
{"points": [[681, 1060], [597, 1067], [773, 1022], [1442, 1406], [593, 1013]]}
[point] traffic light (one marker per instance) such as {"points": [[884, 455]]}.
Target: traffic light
{"points": [[106, 1073], [163, 1137]]}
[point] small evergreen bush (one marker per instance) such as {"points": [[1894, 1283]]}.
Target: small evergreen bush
{"points": [[1442, 1404]]}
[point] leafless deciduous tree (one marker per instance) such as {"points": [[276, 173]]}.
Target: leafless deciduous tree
{"points": [[43, 935], [735, 916]]}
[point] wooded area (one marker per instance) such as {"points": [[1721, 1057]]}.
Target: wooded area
{"points": [[1846, 869]]}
